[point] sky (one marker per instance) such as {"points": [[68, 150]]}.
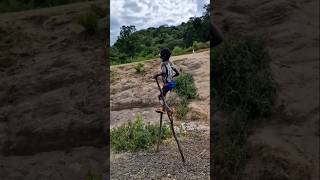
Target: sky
{"points": [[151, 13]]}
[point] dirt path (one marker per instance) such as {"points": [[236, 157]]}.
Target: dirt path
{"points": [[165, 164], [287, 145], [133, 94]]}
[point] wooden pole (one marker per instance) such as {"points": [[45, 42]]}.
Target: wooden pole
{"points": [[160, 132]]}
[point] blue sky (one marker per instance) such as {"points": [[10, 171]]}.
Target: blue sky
{"points": [[151, 13]]}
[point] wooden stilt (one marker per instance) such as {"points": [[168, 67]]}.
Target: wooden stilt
{"points": [[175, 137], [169, 113], [160, 132]]}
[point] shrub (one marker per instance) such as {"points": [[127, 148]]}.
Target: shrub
{"points": [[136, 136], [186, 90], [242, 84], [182, 109], [90, 22], [139, 68], [177, 50], [242, 76], [199, 45], [186, 87]]}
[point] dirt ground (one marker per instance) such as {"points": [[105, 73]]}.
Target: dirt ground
{"points": [[133, 94], [285, 146]]}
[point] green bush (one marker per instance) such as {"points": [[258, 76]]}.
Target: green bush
{"points": [[89, 21], [242, 85], [182, 109], [136, 136], [177, 50], [186, 90], [139, 68], [186, 87], [242, 76], [200, 45]]}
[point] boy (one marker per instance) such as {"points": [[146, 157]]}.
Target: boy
{"points": [[168, 72]]}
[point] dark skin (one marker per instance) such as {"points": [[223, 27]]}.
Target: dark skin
{"points": [[160, 74]]}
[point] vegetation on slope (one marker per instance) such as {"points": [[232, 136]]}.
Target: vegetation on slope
{"points": [[136, 136], [242, 85]]}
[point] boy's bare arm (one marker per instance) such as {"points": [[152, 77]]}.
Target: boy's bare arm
{"points": [[176, 72], [157, 75]]}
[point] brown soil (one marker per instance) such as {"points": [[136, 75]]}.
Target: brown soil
{"points": [[285, 146]]}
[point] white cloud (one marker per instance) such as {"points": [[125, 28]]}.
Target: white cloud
{"points": [[151, 13]]}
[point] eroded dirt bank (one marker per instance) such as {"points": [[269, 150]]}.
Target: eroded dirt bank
{"points": [[52, 95], [285, 146]]}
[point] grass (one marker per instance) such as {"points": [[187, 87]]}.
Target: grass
{"points": [[182, 109], [139, 68], [136, 136], [93, 176], [243, 86]]}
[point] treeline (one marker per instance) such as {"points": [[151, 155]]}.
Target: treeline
{"points": [[19, 5], [134, 45]]}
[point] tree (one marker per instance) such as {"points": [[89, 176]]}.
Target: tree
{"points": [[126, 31]]}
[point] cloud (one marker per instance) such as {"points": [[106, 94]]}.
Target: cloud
{"points": [[151, 13], [132, 6]]}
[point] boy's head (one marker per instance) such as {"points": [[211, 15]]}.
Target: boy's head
{"points": [[165, 54]]}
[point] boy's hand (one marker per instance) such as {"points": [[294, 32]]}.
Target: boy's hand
{"points": [[155, 76]]}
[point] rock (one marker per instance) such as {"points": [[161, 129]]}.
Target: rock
{"points": [[196, 113]]}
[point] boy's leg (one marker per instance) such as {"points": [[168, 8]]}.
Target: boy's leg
{"points": [[164, 93]]}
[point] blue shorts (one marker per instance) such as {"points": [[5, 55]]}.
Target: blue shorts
{"points": [[168, 87]]}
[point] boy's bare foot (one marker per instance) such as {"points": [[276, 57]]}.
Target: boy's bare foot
{"points": [[160, 110]]}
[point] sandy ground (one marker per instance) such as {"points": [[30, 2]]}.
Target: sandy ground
{"points": [[135, 94], [285, 146]]}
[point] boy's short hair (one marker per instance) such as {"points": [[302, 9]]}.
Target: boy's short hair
{"points": [[165, 54]]}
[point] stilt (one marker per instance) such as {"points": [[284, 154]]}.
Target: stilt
{"points": [[169, 113], [160, 132], [175, 137]]}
